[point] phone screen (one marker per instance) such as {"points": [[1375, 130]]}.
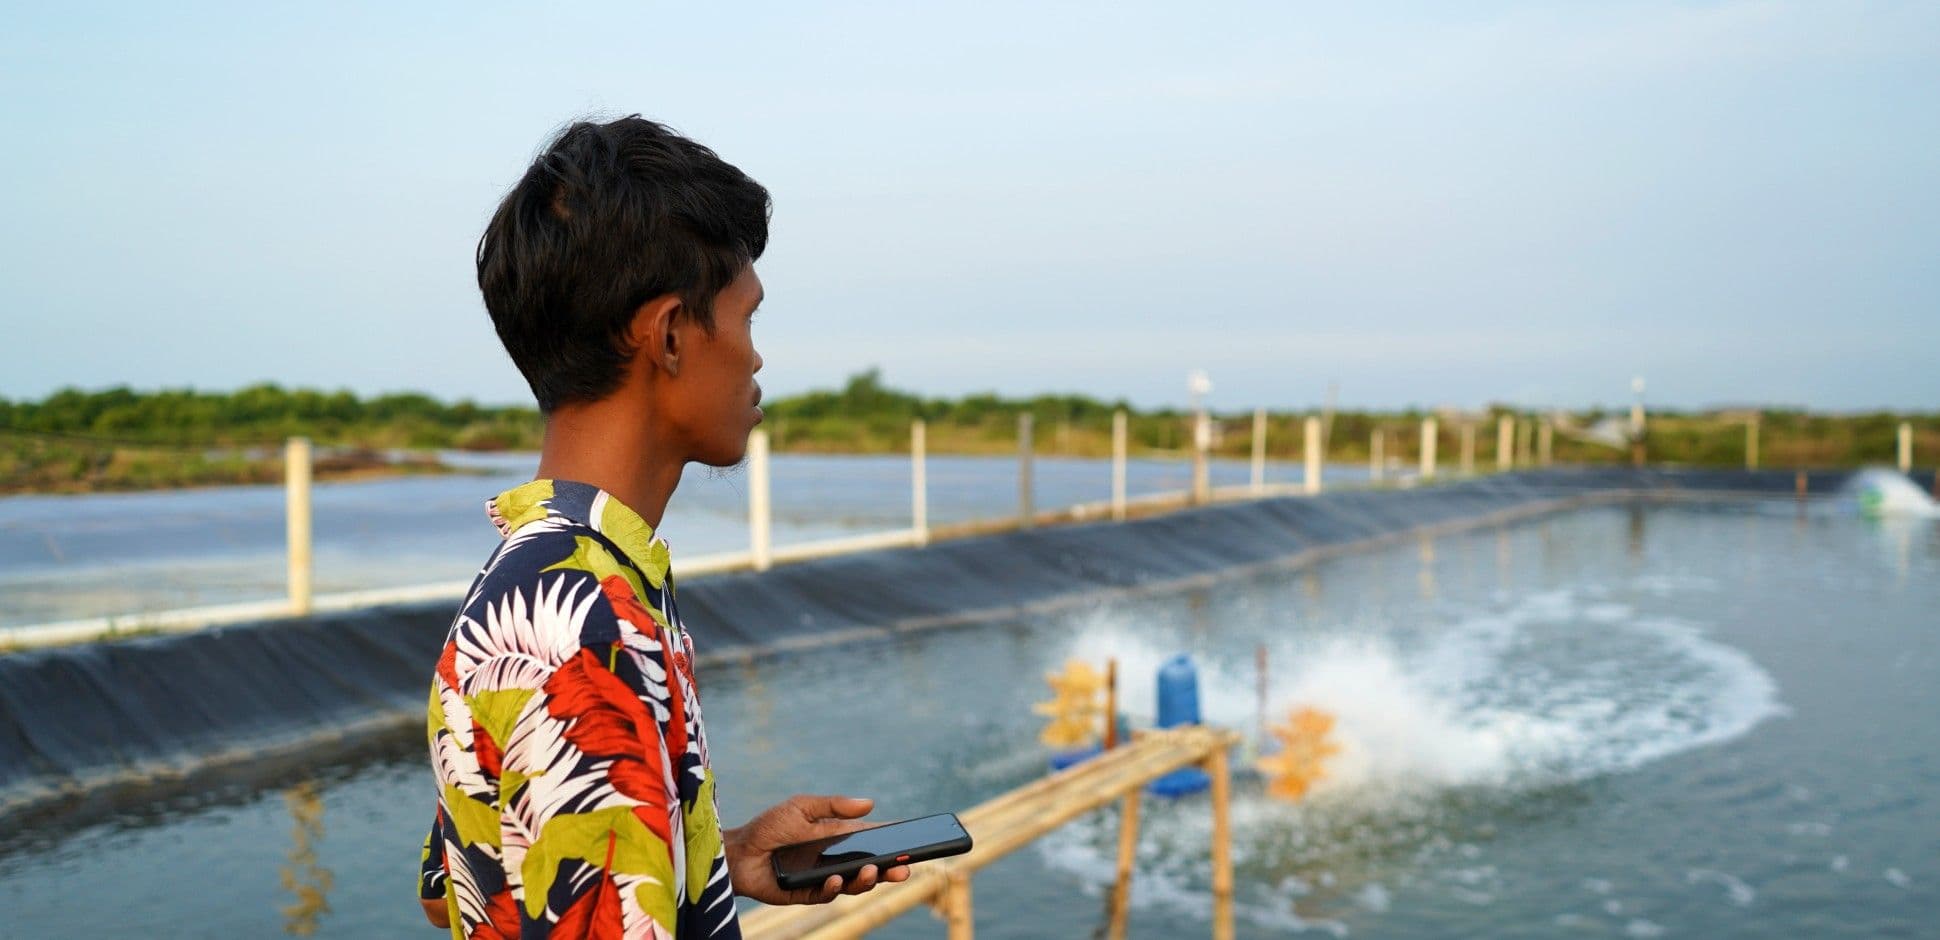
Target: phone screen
{"points": [[893, 839]]}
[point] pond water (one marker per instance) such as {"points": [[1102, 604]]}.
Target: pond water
{"points": [[67, 557], [1623, 721]]}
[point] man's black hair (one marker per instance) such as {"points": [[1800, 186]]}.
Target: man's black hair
{"points": [[607, 218]]}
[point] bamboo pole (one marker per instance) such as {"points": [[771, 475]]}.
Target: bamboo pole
{"points": [[1118, 448], [1259, 451], [919, 480], [1468, 448], [1545, 443], [1121, 889], [1751, 443], [1026, 513], [1312, 434], [1002, 826], [956, 900], [1377, 458], [1430, 436], [1222, 845], [1906, 447], [296, 499], [760, 532], [1505, 443]]}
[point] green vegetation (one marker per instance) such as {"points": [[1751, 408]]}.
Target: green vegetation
{"points": [[123, 439]]}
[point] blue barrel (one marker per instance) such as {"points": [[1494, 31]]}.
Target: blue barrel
{"points": [[1179, 705], [1178, 692]]}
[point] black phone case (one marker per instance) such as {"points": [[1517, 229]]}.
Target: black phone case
{"points": [[813, 877]]}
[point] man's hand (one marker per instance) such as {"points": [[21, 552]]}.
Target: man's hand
{"points": [[750, 848]]}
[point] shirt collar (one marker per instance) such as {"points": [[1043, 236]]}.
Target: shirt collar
{"points": [[583, 504]]}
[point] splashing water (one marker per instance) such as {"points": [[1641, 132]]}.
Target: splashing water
{"points": [[1882, 492], [1561, 687], [1488, 712]]}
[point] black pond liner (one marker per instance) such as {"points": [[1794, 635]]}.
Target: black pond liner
{"points": [[139, 714]]}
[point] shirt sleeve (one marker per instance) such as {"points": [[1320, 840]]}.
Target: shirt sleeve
{"points": [[590, 808], [431, 861]]}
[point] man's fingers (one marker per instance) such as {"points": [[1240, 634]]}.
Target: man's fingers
{"points": [[864, 880], [830, 888], [898, 873], [851, 807], [816, 808]]}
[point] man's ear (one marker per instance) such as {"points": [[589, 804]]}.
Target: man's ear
{"points": [[653, 334]]}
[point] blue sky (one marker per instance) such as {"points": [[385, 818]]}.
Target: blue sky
{"points": [[1426, 203]]}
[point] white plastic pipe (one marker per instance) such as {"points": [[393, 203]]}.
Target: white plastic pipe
{"points": [[1430, 436], [919, 481], [760, 517], [1118, 448], [296, 498], [1026, 512], [1311, 483], [1259, 451]]}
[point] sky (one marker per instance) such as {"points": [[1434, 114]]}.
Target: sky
{"points": [[1424, 204]]}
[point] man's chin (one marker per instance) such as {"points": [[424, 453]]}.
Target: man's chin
{"points": [[724, 463]]}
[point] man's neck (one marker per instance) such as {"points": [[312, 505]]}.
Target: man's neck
{"points": [[615, 449]]}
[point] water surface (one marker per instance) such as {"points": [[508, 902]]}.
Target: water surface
{"points": [[1677, 721]]}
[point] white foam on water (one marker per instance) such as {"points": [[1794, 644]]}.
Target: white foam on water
{"points": [[1479, 705], [1562, 686], [1882, 492]]}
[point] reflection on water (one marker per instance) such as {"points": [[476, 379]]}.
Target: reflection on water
{"points": [[303, 876], [1685, 721]]}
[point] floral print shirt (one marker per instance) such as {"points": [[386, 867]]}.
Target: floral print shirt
{"points": [[574, 794]]}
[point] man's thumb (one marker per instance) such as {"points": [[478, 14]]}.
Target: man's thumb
{"points": [[815, 807]]}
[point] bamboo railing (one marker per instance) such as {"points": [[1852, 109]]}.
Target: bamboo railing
{"points": [[1013, 820]]}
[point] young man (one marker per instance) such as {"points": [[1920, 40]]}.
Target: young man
{"points": [[575, 793]]}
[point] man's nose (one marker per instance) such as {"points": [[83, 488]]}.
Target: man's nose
{"points": [[757, 362]]}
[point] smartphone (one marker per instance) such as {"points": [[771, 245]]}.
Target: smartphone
{"points": [[808, 864]]}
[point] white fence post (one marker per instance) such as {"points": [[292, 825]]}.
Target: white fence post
{"points": [[919, 481], [1026, 512], [760, 534], [1201, 444], [1430, 436], [1377, 457], [1468, 448], [296, 498], [1906, 446], [1259, 451], [1311, 483], [1505, 443], [1118, 449]]}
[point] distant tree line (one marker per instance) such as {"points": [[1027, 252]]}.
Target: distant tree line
{"points": [[123, 438], [267, 414]]}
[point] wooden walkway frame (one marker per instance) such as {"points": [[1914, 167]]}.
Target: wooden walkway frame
{"points": [[1009, 822]]}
